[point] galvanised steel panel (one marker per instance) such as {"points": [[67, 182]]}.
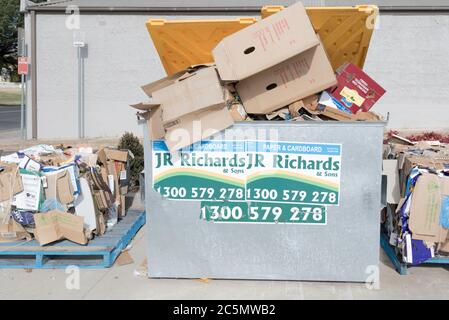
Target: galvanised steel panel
{"points": [[181, 245]]}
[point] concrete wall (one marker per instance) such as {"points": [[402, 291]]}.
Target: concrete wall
{"points": [[119, 58], [408, 56]]}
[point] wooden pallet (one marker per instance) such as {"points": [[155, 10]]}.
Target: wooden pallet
{"points": [[100, 252], [400, 266]]}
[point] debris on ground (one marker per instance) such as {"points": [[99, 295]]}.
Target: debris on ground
{"points": [[56, 192]]}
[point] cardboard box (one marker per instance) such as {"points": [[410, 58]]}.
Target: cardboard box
{"points": [[59, 187], [200, 90], [301, 76], [265, 44], [186, 107], [57, 225], [116, 155], [153, 115], [197, 126], [355, 89], [425, 208], [10, 181]]}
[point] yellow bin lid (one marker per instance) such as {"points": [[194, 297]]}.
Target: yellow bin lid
{"points": [[345, 32]]}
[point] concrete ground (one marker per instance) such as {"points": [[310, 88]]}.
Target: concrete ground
{"points": [[9, 122], [131, 282]]}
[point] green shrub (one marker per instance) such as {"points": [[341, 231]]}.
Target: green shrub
{"points": [[131, 142]]}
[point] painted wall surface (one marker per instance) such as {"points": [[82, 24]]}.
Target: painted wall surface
{"points": [[408, 56]]}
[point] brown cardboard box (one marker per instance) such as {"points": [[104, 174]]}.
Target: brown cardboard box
{"points": [[200, 90], [197, 126], [424, 222], [301, 76], [264, 44], [10, 181], [153, 115], [192, 107], [116, 155], [412, 161], [56, 225], [59, 186]]}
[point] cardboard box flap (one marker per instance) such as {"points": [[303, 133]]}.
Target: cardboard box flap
{"points": [[117, 155], [154, 123], [197, 126], [56, 225], [424, 222], [145, 106], [265, 44], [296, 78], [178, 76], [10, 181], [201, 90], [59, 186], [11, 231], [161, 83]]}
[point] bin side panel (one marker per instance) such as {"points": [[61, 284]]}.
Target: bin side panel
{"points": [[181, 245]]}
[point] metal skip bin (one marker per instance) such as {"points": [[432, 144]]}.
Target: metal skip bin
{"points": [[290, 201], [267, 200]]}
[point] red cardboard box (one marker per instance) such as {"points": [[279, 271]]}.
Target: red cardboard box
{"points": [[355, 89]]}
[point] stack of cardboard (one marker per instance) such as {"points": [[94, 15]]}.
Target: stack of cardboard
{"points": [[57, 194], [275, 69], [417, 209], [114, 166]]}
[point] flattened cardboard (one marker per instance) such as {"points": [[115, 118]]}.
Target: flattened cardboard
{"points": [[154, 123], [197, 126], [59, 186], [152, 113], [391, 170], [57, 225], [11, 231], [301, 76], [116, 155], [10, 181], [264, 44], [424, 222], [333, 113]]}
